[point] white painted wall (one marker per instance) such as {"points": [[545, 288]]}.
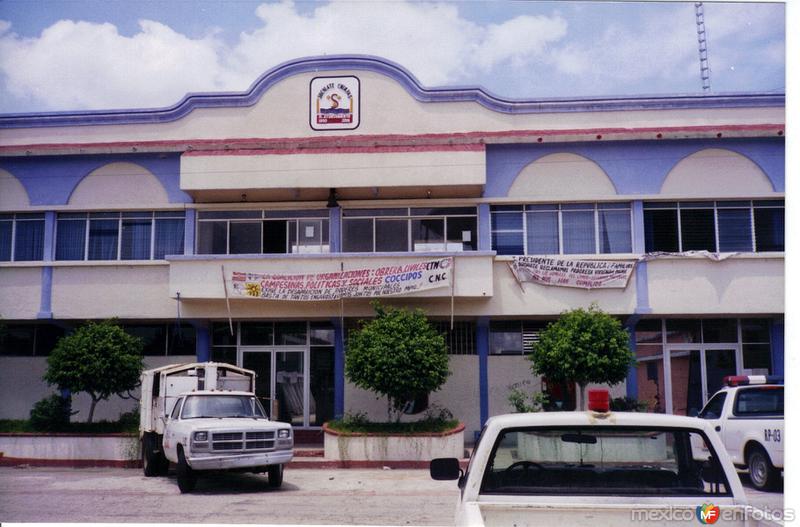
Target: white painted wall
{"points": [[283, 112], [528, 299], [404, 169], [739, 285], [112, 290], [21, 386], [505, 373], [202, 279], [20, 292], [13, 196], [119, 185], [562, 176], [459, 395], [71, 447], [746, 284], [716, 173]]}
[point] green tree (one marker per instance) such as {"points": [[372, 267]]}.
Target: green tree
{"points": [[583, 346], [398, 354], [99, 359]]}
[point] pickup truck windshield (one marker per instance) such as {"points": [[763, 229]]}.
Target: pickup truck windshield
{"points": [[620, 461], [197, 406]]}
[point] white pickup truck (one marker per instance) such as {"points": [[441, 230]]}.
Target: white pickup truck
{"points": [[204, 417], [598, 468], [747, 414]]}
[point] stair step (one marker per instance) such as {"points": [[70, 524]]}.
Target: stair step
{"points": [[304, 452]]}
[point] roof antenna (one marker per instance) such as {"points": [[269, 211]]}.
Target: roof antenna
{"points": [[702, 46]]}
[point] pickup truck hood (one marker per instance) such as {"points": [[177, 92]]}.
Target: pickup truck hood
{"points": [[234, 423]]}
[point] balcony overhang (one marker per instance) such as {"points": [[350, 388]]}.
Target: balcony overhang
{"points": [[457, 171], [200, 277]]}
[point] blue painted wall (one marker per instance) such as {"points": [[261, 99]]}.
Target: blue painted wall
{"points": [[50, 180], [634, 167]]}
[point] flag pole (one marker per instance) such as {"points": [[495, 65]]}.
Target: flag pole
{"points": [[452, 292], [227, 300]]}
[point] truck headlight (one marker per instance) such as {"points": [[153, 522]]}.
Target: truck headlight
{"points": [[201, 437], [284, 433]]}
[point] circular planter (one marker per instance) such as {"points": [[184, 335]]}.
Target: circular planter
{"points": [[347, 446]]}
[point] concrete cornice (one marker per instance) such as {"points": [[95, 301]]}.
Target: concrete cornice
{"points": [[394, 143], [396, 72]]}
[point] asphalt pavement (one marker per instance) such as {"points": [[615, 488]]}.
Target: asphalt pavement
{"points": [[308, 496]]}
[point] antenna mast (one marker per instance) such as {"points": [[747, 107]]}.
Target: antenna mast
{"points": [[702, 46]]}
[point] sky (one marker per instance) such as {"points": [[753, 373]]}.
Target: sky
{"points": [[67, 55]]}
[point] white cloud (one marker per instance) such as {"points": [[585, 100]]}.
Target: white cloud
{"points": [[76, 65], [81, 65]]}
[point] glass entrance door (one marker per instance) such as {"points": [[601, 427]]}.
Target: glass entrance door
{"points": [[686, 376], [290, 386], [260, 361], [719, 363], [280, 381], [696, 373]]}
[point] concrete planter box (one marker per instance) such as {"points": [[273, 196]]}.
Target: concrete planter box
{"points": [[70, 449], [342, 446]]}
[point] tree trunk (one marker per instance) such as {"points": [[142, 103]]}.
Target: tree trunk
{"points": [[91, 408]]}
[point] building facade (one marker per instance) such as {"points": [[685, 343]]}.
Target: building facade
{"points": [[347, 164]]}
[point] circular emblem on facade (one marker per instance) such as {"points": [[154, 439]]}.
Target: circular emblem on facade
{"points": [[335, 103]]}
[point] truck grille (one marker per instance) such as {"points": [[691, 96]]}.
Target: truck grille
{"points": [[242, 441]]}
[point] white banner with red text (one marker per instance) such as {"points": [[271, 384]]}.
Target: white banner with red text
{"points": [[564, 272], [366, 282]]}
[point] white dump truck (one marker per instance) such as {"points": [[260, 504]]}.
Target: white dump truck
{"points": [[747, 413], [599, 468], [205, 416]]}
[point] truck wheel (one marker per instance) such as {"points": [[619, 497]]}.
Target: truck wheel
{"points": [[763, 475], [163, 464], [187, 479], [150, 462], [275, 473]]}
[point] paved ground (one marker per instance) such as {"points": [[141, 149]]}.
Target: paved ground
{"points": [[308, 496]]}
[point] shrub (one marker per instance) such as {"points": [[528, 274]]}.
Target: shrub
{"points": [[628, 404], [583, 346], [51, 414], [99, 359], [398, 354], [525, 403]]}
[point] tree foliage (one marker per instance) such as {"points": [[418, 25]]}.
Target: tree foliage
{"points": [[398, 354], [583, 346], [99, 359]]}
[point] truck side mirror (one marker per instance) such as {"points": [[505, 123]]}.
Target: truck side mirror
{"points": [[445, 468]]}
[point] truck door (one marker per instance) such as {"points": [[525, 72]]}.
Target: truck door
{"points": [[713, 412]]}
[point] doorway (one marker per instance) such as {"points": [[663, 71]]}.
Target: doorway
{"points": [[281, 381], [696, 373]]}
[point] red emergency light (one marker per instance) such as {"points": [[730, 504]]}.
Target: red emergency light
{"points": [[599, 400], [746, 380]]}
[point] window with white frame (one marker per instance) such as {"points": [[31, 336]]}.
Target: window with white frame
{"points": [[134, 235], [21, 237], [714, 226], [410, 229], [565, 228], [263, 232]]}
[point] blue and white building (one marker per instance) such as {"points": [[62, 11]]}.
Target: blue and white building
{"points": [[343, 163]]}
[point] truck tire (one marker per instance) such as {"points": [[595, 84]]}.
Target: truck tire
{"points": [[763, 475], [275, 473], [149, 457], [187, 479], [153, 461]]}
